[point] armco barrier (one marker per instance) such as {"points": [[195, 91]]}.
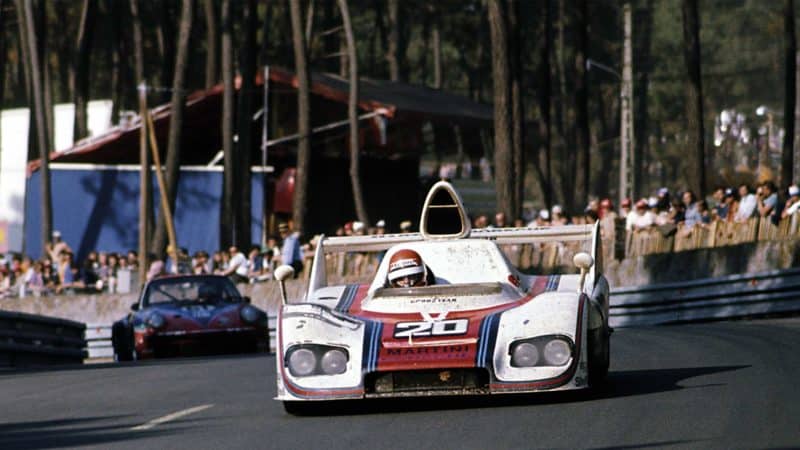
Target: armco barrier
{"points": [[707, 299], [30, 340]]}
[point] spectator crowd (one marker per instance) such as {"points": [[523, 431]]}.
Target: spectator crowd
{"points": [[57, 272]]}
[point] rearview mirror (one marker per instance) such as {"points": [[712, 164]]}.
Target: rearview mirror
{"points": [[583, 261], [283, 273]]}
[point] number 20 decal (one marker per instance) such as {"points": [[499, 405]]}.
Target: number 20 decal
{"points": [[450, 327]]}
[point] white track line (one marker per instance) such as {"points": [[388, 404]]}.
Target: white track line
{"points": [[168, 417]]}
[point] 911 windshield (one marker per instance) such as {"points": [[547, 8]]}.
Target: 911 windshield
{"points": [[191, 290]]}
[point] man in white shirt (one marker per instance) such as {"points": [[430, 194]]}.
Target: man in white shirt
{"points": [[747, 204], [237, 269]]}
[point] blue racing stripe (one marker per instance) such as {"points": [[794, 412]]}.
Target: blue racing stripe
{"points": [[488, 338], [348, 296]]}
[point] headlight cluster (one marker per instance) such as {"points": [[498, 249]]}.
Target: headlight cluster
{"points": [[541, 351], [306, 360], [156, 320], [251, 315]]}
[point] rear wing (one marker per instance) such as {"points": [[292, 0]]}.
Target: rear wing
{"points": [[444, 218], [501, 236]]}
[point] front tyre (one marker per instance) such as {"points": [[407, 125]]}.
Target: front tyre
{"points": [[599, 355], [296, 408]]}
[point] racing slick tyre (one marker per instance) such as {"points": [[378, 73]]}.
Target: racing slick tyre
{"points": [[599, 356], [296, 408], [121, 343]]}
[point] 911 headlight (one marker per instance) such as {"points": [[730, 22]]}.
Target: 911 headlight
{"points": [[311, 359], [541, 351], [156, 320], [249, 314]]}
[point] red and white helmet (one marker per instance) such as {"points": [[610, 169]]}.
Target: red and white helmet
{"points": [[406, 269]]}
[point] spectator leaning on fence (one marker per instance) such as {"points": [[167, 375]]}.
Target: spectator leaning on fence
{"points": [[747, 204], [291, 253], [767, 198], [793, 202]]}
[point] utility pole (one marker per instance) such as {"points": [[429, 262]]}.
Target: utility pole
{"points": [[627, 157]]}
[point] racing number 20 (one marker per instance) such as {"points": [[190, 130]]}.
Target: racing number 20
{"points": [[438, 328]]}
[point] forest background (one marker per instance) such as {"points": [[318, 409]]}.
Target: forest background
{"points": [[87, 51]]}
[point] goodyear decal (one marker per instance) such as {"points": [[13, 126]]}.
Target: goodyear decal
{"points": [[348, 296], [372, 345]]}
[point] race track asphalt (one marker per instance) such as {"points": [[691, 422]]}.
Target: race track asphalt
{"points": [[702, 386]]}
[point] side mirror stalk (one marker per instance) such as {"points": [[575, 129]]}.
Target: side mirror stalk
{"points": [[282, 273], [584, 262]]}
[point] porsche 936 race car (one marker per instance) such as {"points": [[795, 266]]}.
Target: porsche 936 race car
{"points": [[189, 314], [477, 325]]}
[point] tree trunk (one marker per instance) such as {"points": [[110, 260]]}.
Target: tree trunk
{"points": [[393, 40], [503, 170], [352, 115], [644, 36], [166, 43], [567, 161], [177, 106], [3, 53], [24, 47], [694, 96], [83, 53], [116, 45], [230, 203], [437, 54], [41, 128], [300, 200], [244, 146], [145, 183], [517, 113], [790, 94], [212, 38], [545, 124], [582, 102], [47, 90]]}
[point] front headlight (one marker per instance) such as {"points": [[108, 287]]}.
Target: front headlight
{"points": [[312, 359], [249, 314], [557, 352], [525, 355], [334, 362], [156, 320], [541, 351], [302, 362]]}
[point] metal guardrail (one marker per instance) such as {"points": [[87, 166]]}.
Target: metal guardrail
{"points": [[98, 339], [31, 340], [707, 299]]}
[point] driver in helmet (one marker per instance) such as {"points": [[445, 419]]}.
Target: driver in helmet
{"points": [[406, 269]]}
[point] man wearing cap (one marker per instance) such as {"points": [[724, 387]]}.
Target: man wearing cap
{"points": [[56, 246], [405, 226], [792, 203], [291, 253]]}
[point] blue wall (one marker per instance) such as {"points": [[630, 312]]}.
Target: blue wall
{"points": [[98, 209]]}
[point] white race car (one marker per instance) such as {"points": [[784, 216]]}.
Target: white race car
{"points": [[456, 319]]}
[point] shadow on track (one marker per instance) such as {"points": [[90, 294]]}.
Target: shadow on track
{"points": [[186, 360], [70, 433], [618, 384]]}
